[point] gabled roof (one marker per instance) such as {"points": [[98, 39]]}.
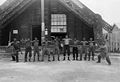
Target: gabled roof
{"points": [[7, 4], [85, 13], [81, 10], [12, 6]]}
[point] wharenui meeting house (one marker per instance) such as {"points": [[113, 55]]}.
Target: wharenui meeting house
{"points": [[45, 18]]}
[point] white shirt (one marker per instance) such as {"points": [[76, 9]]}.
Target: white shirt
{"points": [[66, 41]]}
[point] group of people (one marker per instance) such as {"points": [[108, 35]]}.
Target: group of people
{"points": [[16, 46], [80, 49]]}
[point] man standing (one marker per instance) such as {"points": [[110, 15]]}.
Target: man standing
{"points": [[28, 49], [104, 53], [45, 50], [17, 49], [91, 49], [66, 47], [36, 48], [57, 49], [84, 49], [75, 49]]}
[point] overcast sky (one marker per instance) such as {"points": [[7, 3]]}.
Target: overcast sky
{"points": [[2, 1], [109, 9]]}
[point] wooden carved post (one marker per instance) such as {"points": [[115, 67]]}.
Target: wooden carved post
{"points": [[98, 30]]}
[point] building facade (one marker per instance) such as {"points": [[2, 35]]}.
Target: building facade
{"points": [[114, 39], [21, 19]]}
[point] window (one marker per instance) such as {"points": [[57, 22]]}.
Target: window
{"points": [[58, 23]]}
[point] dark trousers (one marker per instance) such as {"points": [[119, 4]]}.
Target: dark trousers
{"points": [[85, 58], [57, 51], [13, 57], [81, 55], [91, 51], [107, 59], [53, 54], [61, 50], [66, 50], [16, 57], [36, 52], [26, 53], [75, 53]]}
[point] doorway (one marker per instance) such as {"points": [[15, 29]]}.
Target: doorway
{"points": [[36, 32], [4, 36]]}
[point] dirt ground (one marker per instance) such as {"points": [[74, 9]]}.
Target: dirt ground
{"points": [[60, 71]]}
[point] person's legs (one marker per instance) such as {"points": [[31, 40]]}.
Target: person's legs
{"points": [[64, 52], [108, 60], [93, 55], [81, 52], [68, 52], [99, 59], [76, 53], [89, 55], [38, 55], [80, 56], [34, 56], [13, 57], [30, 55], [58, 52], [85, 52], [85, 58], [73, 53], [43, 53], [17, 58], [25, 58], [53, 56], [54, 52], [48, 53]]}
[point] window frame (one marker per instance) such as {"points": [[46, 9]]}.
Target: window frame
{"points": [[58, 21]]}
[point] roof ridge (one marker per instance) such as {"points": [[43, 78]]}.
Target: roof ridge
{"points": [[6, 4]]}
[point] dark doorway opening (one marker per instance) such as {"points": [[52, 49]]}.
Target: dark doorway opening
{"points": [[36, 32], [5, 36]]}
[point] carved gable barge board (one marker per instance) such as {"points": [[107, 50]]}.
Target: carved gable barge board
{"points": [[107, 27], [77, 10], [84, 13], [73, 13], [18, 10], [7, 4], [10, 8]]}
